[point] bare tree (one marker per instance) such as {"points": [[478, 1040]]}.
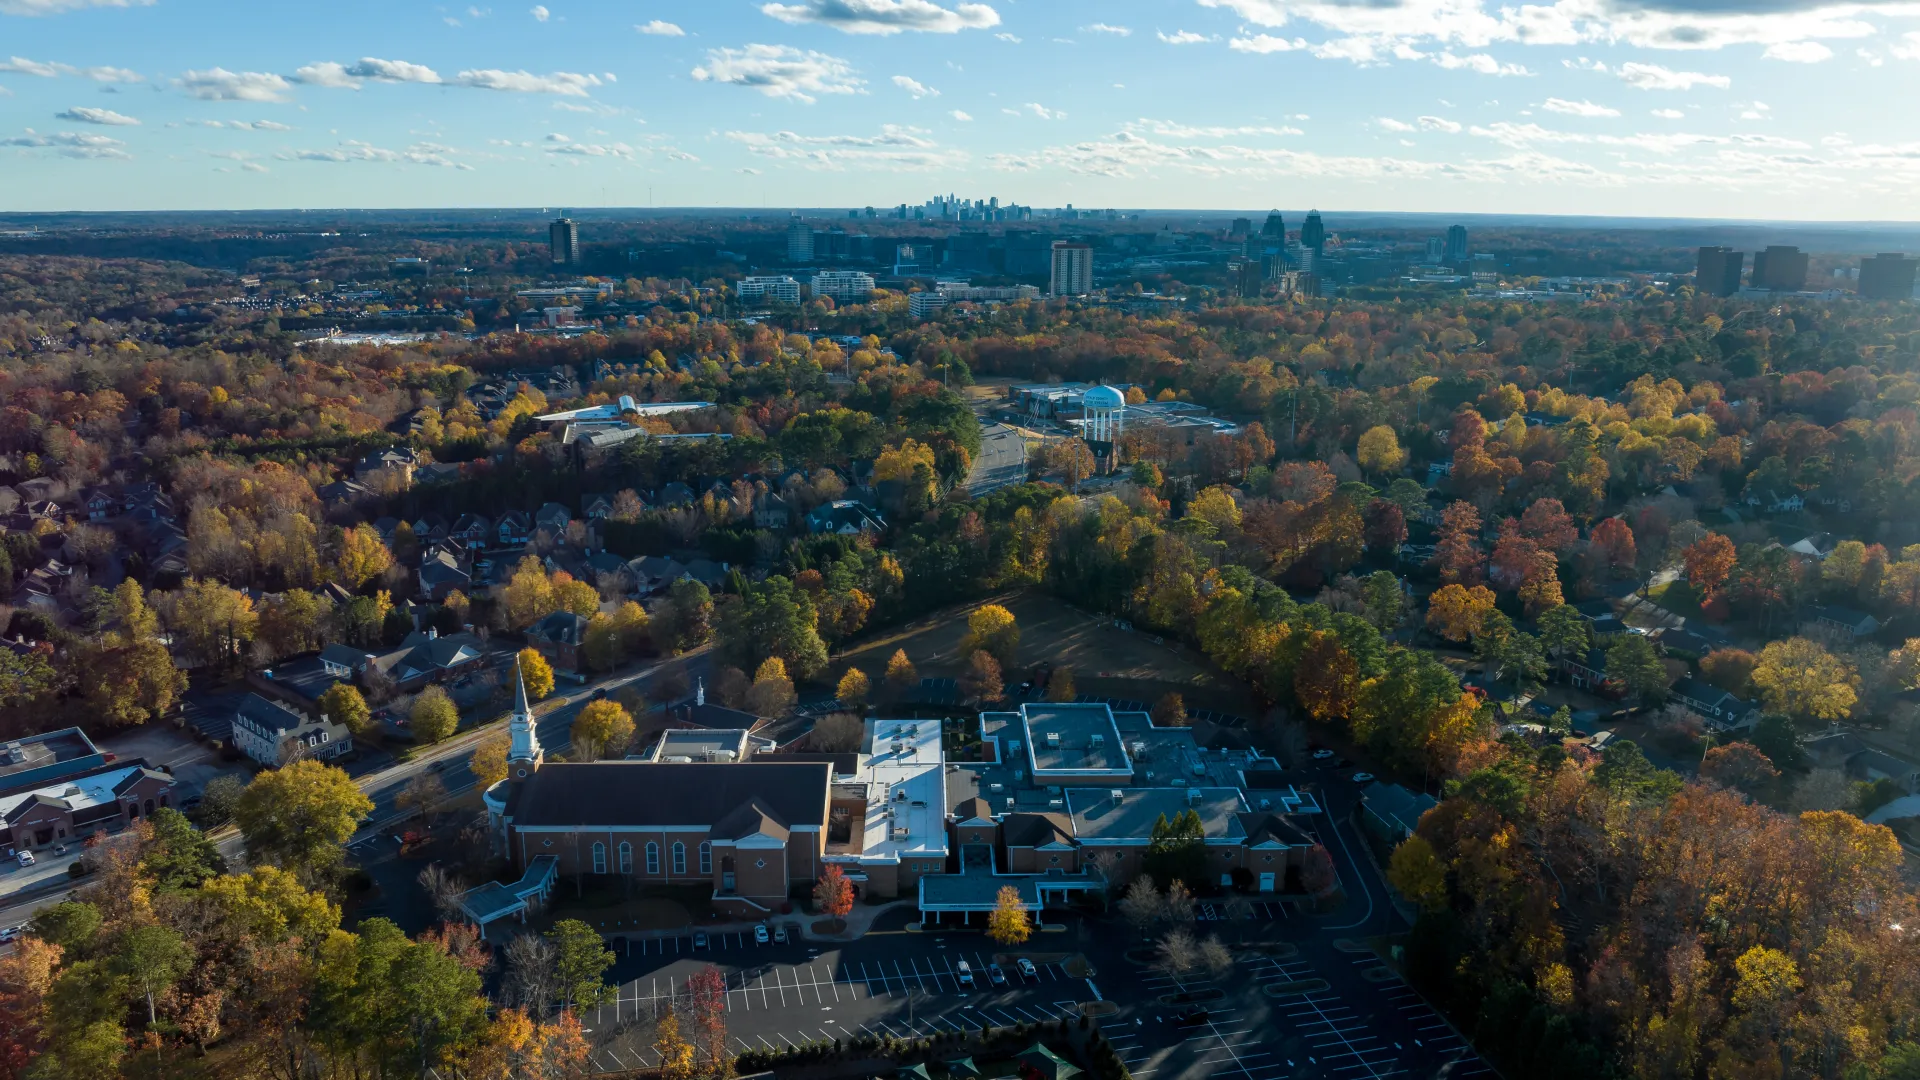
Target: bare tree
{"points": [[422, 794], [837, 734], [533, 979], [1141, 906], [1177, 907], [1176, 955], [443, 889], [1214, 956]]}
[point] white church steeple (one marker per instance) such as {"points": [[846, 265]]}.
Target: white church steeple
{"points": [[523, 754]]}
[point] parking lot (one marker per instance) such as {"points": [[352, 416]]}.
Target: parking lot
{"points": [[790, 994]]}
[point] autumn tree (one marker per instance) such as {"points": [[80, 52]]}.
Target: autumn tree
{"points": [[535, 673], [1061, 685], [1458, 553], [1008, 924], [1455, 612], [1632, 660], [991, 628], [1379, 451], [1419, 874], [902, 681], [1802, 679], [1548, 524], [772, 691], [361, 556], [433, 715], [489, 762], [1708, 562], [603, 729], [1170, 710], [832, 892], [1729, 669], [300, 816], [853, 688], [980, 683], [421, 794], [1738, 765], [1326, 678], [1611, 550], [343, 704]]}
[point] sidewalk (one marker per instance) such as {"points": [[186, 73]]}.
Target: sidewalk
{"points": [[859, 921]]}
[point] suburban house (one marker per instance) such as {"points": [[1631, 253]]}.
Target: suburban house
{"points": [[1828, 620], [512, 530], [396, 462], [597, 508], [275, 734], [1835, 748], [554, 517], [844, 517], [471, 531], [558, 637], [1721, 710], [1602, 622], [1588, 671], [1393, 812], [440, 576]]}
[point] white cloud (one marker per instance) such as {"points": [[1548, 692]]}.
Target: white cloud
{"points": [[1391, 124], [661, 28], [886, 16], [1655, 77], [1183, 37], [351, 76], [55, 7], [961, 116], [1480, 62], [1045, 113], [72, 144], [540, 13], [112, 75], [253, 166], [20, 65], [1669, 114], [325, 73], [1439, 123], [1578, 108], [780, 71], [567, 147], [421, 153], [1176, 130], [895, 147], [219, 84], [1909, 49], [105, 117], [915, 87], [1265, 43], [565, 83], [1106, 28], [1008, 37], [1798, 52]]}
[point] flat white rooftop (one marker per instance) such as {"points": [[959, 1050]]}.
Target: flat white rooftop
{"points": [[903, 768]]}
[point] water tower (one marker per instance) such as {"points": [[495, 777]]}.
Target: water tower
{"points": [[1104, 409]]}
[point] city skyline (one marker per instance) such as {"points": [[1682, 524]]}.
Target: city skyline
{"points": [[1681, 108]]}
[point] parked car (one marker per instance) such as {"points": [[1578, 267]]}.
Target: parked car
{"points": [[963, 974], [699, 940], [780, 933], [1322, 755], [1191, 1016], [1027, 970], [24, 858], [760, 935], [10, 933], [996, 975], [1363, 778]]}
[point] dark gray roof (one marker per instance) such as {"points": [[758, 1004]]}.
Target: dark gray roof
{"points": [[561, 628], [637, 793], [270, 715], [751, 817], [1034, 830]]}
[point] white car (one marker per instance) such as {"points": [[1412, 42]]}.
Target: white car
{"points": [[760, 935], [24, 858], [1027, 969], [1362, 777], [963, 974], [10, 933], [1322, 755]]}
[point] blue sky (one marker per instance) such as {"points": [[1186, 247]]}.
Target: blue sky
{"points": [[1785, 109]]}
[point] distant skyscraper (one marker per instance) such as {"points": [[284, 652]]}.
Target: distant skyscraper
{"points": [[1887, 276], [1718, 271], [1072, 268], [799, 241], [1246, 277], [1780, 269], [1241, 227], [1456, 244], [1275, 229], [563, 242], [1436, 249], [1312, 233]]}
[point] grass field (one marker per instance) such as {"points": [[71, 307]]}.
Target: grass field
{"points": [[1106, 659]]}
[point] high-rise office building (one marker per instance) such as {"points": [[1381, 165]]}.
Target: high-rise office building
{"points": [[799, 241], [1241, 227], [563, 242], [1275, 229], [1313, 234], [1456, 244], [1717, 273], [1887, 276], [1246, 277], [1780, 268], [1436, 249], [1072, 268]]}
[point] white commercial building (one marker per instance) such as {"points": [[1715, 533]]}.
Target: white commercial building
{"points": [[923, 305], [843, 285], [778, 288]]}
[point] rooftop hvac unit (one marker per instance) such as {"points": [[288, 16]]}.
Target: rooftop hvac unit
{"points": [[1139, 750], [1053, 739], [1019, 774], [1056, 803], [901, 833], [1118, 794], [1009, 804], [1013, 745], [1179, 781], [996, 787], [1266, 804], [1193, 795], [900, 795], [1097, 741]]}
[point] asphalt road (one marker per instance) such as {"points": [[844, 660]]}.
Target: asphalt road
{"points": [[1002, 460]]}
